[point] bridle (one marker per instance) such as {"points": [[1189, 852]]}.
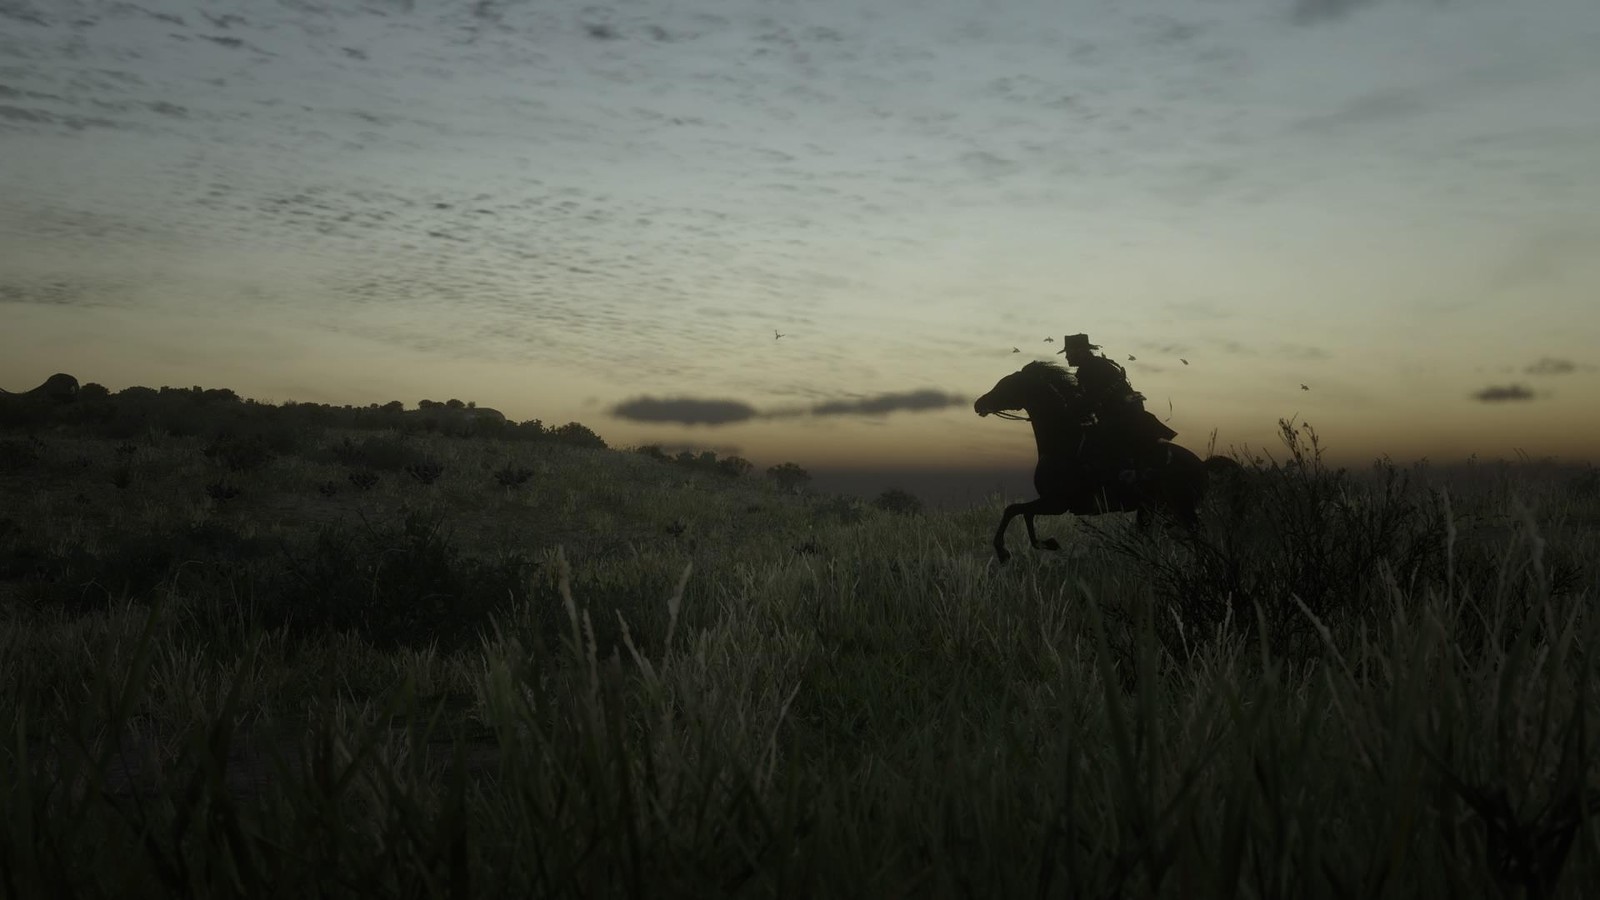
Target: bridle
{"points": [[1000, 413]]}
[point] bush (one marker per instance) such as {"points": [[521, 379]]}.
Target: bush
{"points": [[1276, 531], [19, 455], [395, 585], [734, 466], [895, 500], [578, 436], [240, 454], [384, 453], [789, 476], [843, 510], [74, 578], [653, 451]]}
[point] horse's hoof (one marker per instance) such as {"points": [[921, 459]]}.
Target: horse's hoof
{"points": [[1049, 544]]}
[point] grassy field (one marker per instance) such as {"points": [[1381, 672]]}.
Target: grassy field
{"points": [[348, 663]]}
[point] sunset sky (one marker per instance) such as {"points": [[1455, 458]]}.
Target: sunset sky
{"points": [[602, 213]]}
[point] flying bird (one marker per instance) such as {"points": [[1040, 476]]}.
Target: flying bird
{"points": [[1182, 360], [1015, 350], [776, 335], [1304, 388], [1132, 358], [1049, 340]]}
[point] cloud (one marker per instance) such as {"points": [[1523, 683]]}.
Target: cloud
{"points": [[1310, 12], [703, 411], [882, 404], [1302, 351], [1384, 105], [1500, 393], [1540, 257], [1550, 365], [684, 410]]}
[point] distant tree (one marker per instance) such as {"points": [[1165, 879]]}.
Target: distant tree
{"points": [[428, 404], [703, 461], [93, 391], [393, 406], [895, 500], [789, 476], [734, 466], [578, 435], [533, 429], [455, 404], [653, 451]]}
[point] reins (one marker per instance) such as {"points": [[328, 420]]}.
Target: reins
{"points": [[1002, 414]]}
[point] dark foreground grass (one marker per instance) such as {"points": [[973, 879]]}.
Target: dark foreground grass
{"points": [[652, 685]]}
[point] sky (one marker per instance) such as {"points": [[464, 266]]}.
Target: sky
{"points": [[606, 213]]}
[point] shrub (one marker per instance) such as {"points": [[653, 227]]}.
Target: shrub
{"points": [[654, 452], [404, 584], [845, 510], [510, 477], [900, 502], [1585, 484], [76, 579], [239, 454], [789, 476], [578, 435], [425, 472], [384, 453], [1276, 531], [18, 455], [734, 466]]}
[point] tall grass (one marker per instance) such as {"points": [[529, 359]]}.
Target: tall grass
{"points": [[820, 700]]}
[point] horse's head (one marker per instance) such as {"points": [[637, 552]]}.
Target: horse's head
{"points": [[1037, 385], [1009, 392]]}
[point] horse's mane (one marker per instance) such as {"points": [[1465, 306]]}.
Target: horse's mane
{"points": [[1053, 373]]}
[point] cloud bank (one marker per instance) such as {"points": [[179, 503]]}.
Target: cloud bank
{"points": [[1503, 393], [711, 411], [1550, 365], [683, 411]]}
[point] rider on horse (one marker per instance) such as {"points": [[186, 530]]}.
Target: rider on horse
{"points": [[1124, 429]]}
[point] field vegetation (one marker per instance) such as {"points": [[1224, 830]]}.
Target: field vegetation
{"points": [[300, 651]]}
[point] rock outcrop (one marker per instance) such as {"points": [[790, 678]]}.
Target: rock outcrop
{"points": [[59, 388]]}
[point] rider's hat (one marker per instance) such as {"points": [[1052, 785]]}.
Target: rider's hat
{"points": [[1076, 342]]}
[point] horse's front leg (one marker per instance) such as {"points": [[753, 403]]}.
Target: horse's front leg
{"points": [[1042, 506], [1000, 551]]}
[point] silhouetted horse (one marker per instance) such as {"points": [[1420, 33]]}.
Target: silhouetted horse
{"points": [[1171, 479]]}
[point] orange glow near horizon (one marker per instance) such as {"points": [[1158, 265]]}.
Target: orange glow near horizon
{"points": [[125, 349]]}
